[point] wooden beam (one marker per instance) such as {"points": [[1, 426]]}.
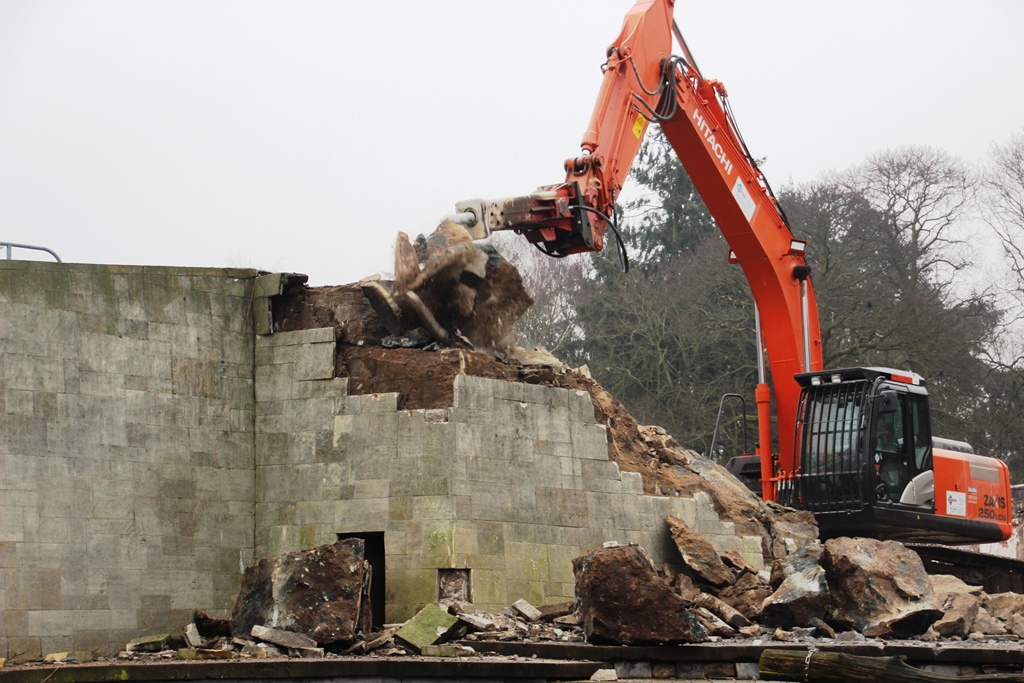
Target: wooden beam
{"points": [[836, 667]]}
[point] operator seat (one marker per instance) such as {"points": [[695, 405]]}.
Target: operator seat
{"points": [[920, 491]]}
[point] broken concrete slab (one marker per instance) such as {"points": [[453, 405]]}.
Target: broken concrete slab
{"points": [[288, 639], [735, 561], [254, 651], [988, 625], [907, 625], [192, 637], [1015, 625], [428, 627], [320, 592], [478, 622], [946, 584], [568, 620], [808, 555], [558, 609], [153, 643], [789, 530], [528, 611], [622, 600]]}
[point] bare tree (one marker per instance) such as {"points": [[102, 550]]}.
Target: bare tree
{"points": [[1003, 208], [834, 218], [922, 194], [556, 285], [888, 241]]}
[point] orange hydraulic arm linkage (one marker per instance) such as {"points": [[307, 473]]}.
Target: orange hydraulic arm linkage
{"points": [[643, 82]]}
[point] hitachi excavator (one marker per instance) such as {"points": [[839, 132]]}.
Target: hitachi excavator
{"points": [[855, 444]]}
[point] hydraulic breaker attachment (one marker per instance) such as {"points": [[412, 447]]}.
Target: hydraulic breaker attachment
{"points": [[554, 218]]}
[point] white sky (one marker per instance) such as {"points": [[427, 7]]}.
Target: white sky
{"points": [[301, 136]]}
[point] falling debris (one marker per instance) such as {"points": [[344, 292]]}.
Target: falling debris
{"points": [[460, 292]]}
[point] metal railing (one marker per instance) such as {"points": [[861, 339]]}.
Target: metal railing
{"points": [[829, 430], [12, 245]]}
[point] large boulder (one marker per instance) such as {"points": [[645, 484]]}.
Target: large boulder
{"points": [[321, 593], [1005, 605], [944, 585], [804, 557], [801, 600], [960, 611], [986, 624], [1015, 625], [699, 555], [622, 600], [789, 530], [746, 595], [871, 582]]}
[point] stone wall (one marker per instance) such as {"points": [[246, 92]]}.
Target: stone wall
{"points": [[151, 443], [511, 482], [126, 450]]}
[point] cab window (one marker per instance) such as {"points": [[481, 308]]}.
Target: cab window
{"points": [[921, 433]]}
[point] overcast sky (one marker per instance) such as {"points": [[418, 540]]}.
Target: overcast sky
{"points": [[301, 136]]}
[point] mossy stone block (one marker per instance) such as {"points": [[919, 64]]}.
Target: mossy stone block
{"points": [[426, 628]]}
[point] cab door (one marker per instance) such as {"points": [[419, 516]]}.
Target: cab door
{"points": [[902, 447]]}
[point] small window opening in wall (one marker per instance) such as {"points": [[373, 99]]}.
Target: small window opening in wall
{"points": [[373, 543], [453, 584]]}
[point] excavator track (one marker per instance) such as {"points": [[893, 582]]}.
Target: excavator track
{"points": [[994, 573]]}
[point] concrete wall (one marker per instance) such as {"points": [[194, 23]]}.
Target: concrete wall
{"points": [[126, 451], [512, 482]]}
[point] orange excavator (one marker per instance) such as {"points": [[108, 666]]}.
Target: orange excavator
{"points": [[855, 444]]}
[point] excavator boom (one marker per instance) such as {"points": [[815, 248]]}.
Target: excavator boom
{"points": [[831, 458], [643, 82]]}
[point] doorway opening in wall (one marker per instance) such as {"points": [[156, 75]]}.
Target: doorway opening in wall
{"points": [[373, 544]]}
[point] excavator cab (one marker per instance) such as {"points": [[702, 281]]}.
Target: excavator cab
{"points": [[868, 463]]}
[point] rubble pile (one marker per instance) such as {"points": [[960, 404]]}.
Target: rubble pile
{"points": [[847, 589], [623, 599], [432, 632]]}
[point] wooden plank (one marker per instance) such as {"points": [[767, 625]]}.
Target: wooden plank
{"points": [[836, 667]]}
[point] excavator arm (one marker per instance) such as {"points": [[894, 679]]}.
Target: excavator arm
{"points": [[643, 82], [571, 217]]}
